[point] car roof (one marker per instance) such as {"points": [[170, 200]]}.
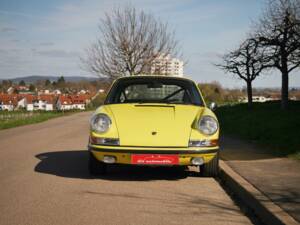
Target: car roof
{"points": [[154, 77]]}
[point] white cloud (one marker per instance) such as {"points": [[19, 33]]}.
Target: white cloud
{"points": [[8, 29], [59, 53], [46, 43]]}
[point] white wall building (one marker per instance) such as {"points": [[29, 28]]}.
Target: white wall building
{"points": [[80, 106], [258, 98], [43, 102], [71, 102], [64, 103], [56, 92], [42, 105], [22, 103], [29, 106], [6, 106], [166, 65]]}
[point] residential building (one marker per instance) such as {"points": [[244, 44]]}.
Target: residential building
{"points": [[21, 103], [45, 91], [78, 101], [166, 65], [82, 92], [8, 102], [29, 102], [64, 103], [260, 98], [41, 102], [45, 102], [6, 106], [56, 92], [10, 90]]}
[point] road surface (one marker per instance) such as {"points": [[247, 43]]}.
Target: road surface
{"points": [[44, 180]]}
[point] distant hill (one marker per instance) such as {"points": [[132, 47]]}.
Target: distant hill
{"points": [[32, 79]]}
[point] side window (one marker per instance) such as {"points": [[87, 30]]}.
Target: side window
{"points": [[122, 97]]}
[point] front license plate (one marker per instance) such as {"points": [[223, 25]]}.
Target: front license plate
{"points": [[155, 159]]}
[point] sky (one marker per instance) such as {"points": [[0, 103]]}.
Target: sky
{"points": [[49, 37]]}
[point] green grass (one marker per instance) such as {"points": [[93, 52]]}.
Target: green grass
{"points": [[265, 124], [20, 118]]}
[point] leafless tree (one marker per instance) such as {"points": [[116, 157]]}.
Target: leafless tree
{"points": [[246, 62], [130, 41], [279, 31]]}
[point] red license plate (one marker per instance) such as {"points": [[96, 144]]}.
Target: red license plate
{"points": [[155, 159]]}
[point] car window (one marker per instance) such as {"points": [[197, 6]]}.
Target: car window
{"points": [[144, 92]]}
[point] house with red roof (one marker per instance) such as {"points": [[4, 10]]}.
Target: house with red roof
{"points": [[64, 103], [78, 101], [8, 102], [68, 102], [40, 102], [45, 102]]}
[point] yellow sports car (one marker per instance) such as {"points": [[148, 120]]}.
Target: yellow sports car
{"points": [[156, 121]]}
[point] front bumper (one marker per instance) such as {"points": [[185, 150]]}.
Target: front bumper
{"points": [[123, 154]]}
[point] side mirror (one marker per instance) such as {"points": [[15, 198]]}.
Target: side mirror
{"points": [[213, 106]]}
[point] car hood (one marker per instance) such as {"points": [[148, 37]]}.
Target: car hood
{"points": [[154, 125]]}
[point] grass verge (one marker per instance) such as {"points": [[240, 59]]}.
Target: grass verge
{"points": [[265, 124], [19, 118]]}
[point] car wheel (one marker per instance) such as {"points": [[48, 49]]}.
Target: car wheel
{"points": [[210, 169], [96, 167]]}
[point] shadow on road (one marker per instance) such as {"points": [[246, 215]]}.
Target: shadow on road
{"points": [[74, 164], [234, 149]]}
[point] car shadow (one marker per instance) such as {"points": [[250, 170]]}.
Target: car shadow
{"points": [[74, 164]]}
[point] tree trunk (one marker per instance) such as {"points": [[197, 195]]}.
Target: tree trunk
{"points": [[284, 89], [284, 82], [249, 93]]}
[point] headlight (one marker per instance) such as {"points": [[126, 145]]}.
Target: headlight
{"points": [[100, 123], [207, 125]]}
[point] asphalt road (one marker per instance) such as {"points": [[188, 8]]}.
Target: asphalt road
{"points": [[44, 180]]}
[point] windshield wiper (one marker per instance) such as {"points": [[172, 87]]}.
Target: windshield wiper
{"points": [[172, 94]]}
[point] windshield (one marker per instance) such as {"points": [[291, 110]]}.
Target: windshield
{"points": [[154, 90]]}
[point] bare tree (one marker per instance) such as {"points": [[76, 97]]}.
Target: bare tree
{"points": [[279, 31], [130, 41], [246, 62]]}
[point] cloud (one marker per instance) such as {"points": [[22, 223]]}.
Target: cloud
{"points": [[21, 14], [3, 51], [209, 54], [80, 14], [57, 53], [8, 29], [46, 43], [15, 40]]}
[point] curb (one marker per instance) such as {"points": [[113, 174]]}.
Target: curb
{"points": [[267, 211]]}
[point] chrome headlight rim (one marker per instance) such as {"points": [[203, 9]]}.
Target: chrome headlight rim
{"points": [[200, 127], [98, 116]]}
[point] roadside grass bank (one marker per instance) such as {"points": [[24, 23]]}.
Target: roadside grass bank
{"points": [[20, 118], [265, 124]]}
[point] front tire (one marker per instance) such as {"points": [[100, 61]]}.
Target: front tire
{"points": [[210, 169], [96, 167]]}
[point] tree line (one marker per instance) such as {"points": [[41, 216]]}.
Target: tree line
{"points": [[273, 44], [60, 84]]}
